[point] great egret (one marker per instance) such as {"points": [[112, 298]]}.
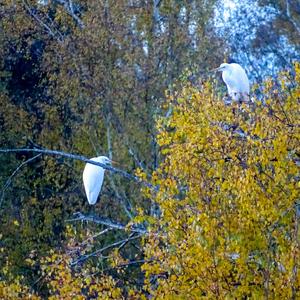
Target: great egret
{"points": [[236, 80], [93, 178]]}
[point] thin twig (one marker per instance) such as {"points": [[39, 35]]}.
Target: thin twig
{"points": [[8, 181], [48, 29], [288, 13], [107, 222], [125, 242], [73, 15], [95, 253], [95, 235], [68, 5], [120, 199]]}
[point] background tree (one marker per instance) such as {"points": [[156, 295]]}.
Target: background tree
{"points": [[88, 78], [228, 192], [260, 35]]}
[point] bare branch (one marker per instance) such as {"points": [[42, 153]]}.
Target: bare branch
{"points": [[107, 222], [108, 137], [288, 13], [84, 159], [95, 235], [8, 181], [72, 13], [59, 38], [125, 242], [135, 157], [68, 5], [123, 200], [99, 251]]}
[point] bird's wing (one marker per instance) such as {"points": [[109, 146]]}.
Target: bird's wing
{"points": [[241, 81], [92, 180], [229, 81], [228, 89]]}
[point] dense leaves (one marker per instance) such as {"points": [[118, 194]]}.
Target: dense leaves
{"points": [[229, 212], [229, 193], [222, 220]]}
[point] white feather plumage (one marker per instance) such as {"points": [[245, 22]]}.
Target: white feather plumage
{"points": [[236, 80], [93, 178]]}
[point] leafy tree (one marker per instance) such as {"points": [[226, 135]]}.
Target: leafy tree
{"points": [[89, 78], [228, 193], [262, 36]]}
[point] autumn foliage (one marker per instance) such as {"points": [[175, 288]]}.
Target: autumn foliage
{"points": [[229, 192], [228, 198]]}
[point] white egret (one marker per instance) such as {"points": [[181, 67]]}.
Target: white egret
{"points": [[93, 178], [236, 80]]}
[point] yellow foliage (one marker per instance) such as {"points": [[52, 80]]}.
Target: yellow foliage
{"points": [[66, 282], [13, 288], [63, 281], [228, 192]]}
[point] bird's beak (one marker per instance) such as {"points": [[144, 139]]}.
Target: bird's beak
{"points": [[214, 70], [114, 162]]}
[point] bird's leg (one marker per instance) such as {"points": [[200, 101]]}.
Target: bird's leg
{"points": [[227, 99], [91, 210], [234, 111]]}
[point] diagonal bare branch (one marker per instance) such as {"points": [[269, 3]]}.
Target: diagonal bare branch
{"points": [[8, 181], [49, 30], [99, 251], [84, 159], [69, 7], [288, 13], [107, 222]]}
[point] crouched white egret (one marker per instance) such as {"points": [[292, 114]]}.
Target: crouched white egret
{"points": [[93, 178], [236, 80]]}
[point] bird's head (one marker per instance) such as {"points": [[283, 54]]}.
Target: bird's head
{"points": [[106, 161], [223, 67]]}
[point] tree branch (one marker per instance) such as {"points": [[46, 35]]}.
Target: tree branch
{"points": [[288, 13], [123, 200], [84, 159], [95, 253], [8, 181], [68, 5], [107, 222], [85, 242], [72, 13], [43, 24]]}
